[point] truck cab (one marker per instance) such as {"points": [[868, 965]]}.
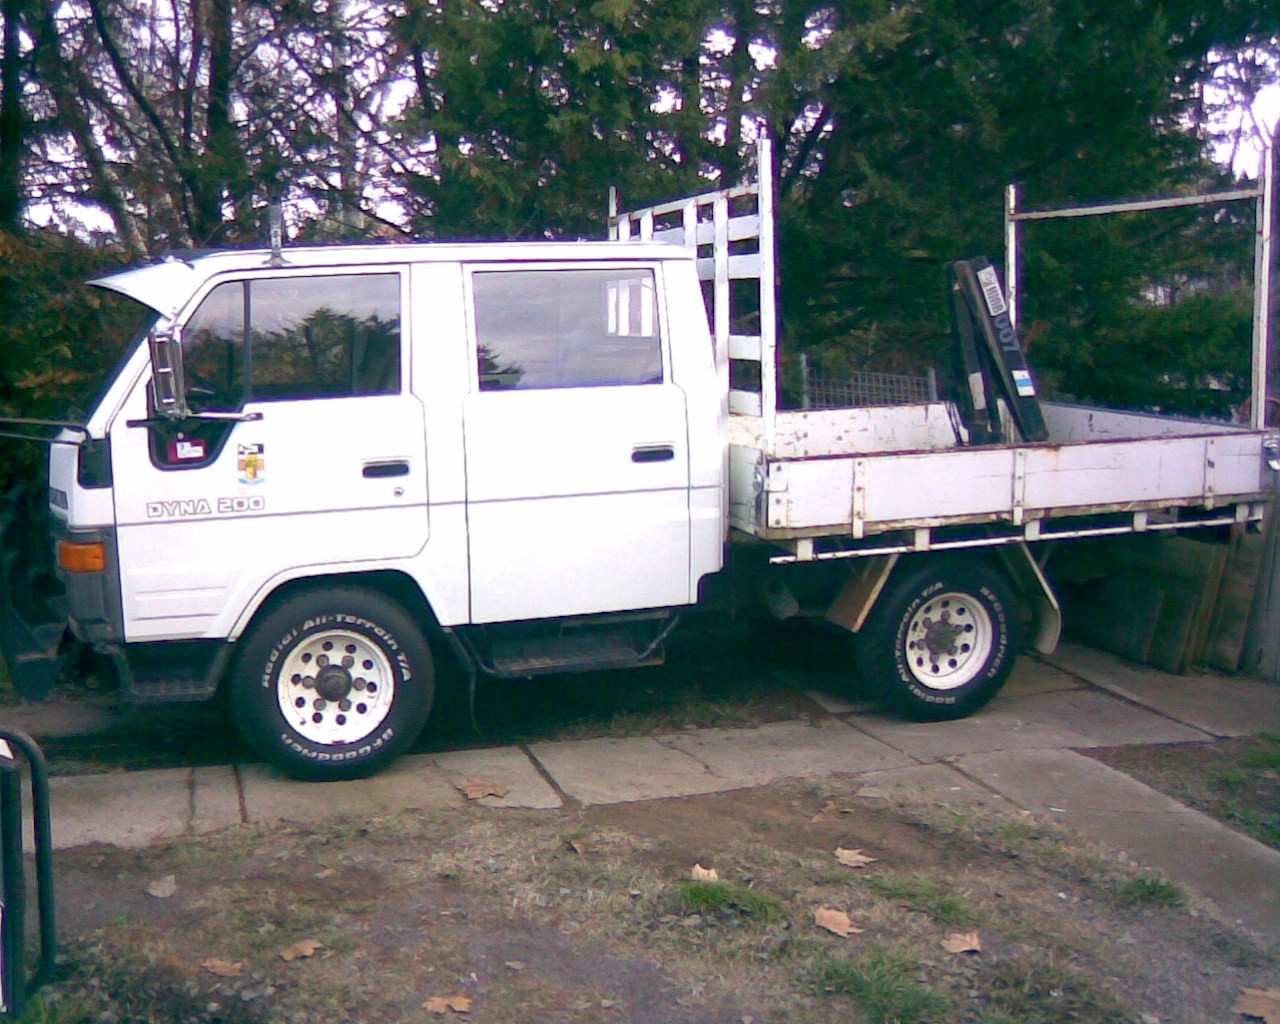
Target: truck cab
{"points": [[483, 434]]}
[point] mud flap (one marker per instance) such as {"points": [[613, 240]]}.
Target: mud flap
{"points": [[1037, 593], [31, 628]]}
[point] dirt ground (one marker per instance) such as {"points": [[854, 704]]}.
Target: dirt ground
{"points": [[591, 915]]}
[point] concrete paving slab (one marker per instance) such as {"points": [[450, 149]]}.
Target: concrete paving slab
{"points": [[1031, 675], [997, 728], [939, 784], [1100, 720], [215, 799], [412, 783], [616, 771], [833, 704], [126, 809], [509, 767], [1061, 718], [785, 750], [1238, 874], [1221, 705]]}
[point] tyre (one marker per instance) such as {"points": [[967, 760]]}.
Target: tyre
{"points": [[333, 684], [939, 643]]}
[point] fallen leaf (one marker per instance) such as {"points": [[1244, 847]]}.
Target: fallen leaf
{"points": [[835, 921], [966, 942], [163, 888], [300, 949], [853, 858], [701, 874], [223, 968], [444, 1004], [475, 789], [1262, 1004], [831, 809]]}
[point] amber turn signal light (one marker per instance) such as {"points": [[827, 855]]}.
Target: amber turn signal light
{"points": [[82, 557]]}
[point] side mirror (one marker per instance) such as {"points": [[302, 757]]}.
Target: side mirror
{"points": [[168, 383]]}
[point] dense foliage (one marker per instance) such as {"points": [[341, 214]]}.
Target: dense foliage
{"points": [[898, 126]]}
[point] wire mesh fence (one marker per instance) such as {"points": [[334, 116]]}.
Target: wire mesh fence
{"points": [[860, 388]]}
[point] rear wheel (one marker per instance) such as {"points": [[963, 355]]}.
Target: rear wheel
{"points": [[333, 684], [939, 643]]}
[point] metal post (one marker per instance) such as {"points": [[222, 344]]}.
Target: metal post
{"points": [[768, 284], [13, 891], [15, 986], [1262, 280], [1011, 256]]}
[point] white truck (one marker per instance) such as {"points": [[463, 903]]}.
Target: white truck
{"points": [[318, 469]]}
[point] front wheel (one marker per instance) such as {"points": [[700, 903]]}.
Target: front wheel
{"points": [[333, 684], [939, 643]]}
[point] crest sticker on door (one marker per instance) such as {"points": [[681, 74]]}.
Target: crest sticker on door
{"points": [[251, 464]]}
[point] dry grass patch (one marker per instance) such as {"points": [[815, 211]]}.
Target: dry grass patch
{"points": [[586, 916]]}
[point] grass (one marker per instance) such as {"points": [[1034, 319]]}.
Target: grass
{"points": [[726, 897], [1265, 757], [1030, 990], [1145, 891], [928, 896], [41, 1010], [438, 887], [882, 982]]}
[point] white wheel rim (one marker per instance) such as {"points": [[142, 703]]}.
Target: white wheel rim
{"points": [[335, 688], [948, 641]]}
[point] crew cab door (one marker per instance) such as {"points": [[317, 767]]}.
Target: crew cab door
{"points": [[323, 470], [576, 444]]}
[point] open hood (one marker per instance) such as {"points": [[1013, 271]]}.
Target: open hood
{"points": [[162, 286]]}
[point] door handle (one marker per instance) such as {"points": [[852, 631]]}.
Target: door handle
{"points": [[653, 453], [379, 470]]}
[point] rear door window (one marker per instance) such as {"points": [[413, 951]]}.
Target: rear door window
{"points": [[555, 328]]}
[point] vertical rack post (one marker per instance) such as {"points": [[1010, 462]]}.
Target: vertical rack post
{"points": [[768, 281], [1012, 194], [1262, 282]]}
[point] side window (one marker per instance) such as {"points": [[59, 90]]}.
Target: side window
{"points": [[324, 337], [213, 350], [566, 328], [308, 337]]}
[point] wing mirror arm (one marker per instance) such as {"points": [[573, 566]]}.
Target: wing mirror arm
{"points": [[168, 382]]}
